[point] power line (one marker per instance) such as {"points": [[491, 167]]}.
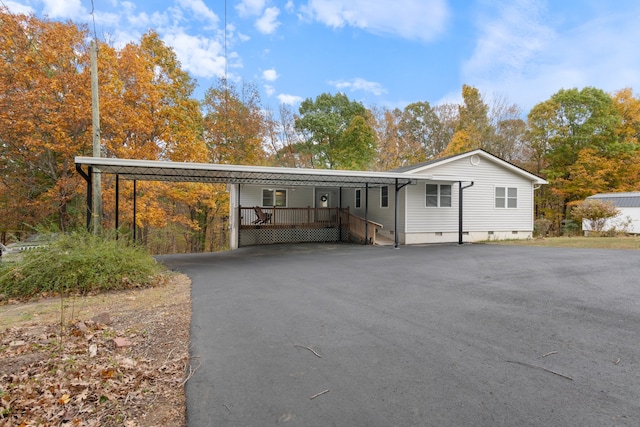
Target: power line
{"points": [[93, 17]]}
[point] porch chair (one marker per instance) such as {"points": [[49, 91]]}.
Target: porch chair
{"points": [[262, 217]]}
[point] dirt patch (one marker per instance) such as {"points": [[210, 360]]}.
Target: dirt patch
{"points": [[117, 359]]}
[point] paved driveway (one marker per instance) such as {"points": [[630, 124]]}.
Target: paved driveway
{"points": [[417, 336]]}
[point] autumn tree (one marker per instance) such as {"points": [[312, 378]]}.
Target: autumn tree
{"points": [[45, 118], [283, 139], [474, 128], [571, 121], [391, 151], [235, 129], [507, 140], [336, 132]]}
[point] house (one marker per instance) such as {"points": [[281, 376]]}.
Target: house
{"points": [[629, 206], [467, 197]]}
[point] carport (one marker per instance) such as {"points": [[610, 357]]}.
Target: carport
{"points": [[235, 175]]}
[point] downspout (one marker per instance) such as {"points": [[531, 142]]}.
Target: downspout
{"points": [[87, 178], [395, 225], [460, 188], [366, 213]]}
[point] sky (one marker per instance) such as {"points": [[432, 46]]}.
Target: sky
{"points": [[386, 53]]}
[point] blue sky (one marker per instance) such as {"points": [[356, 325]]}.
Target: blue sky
{"points": [[382, 52]]}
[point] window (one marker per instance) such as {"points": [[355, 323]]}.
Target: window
{"points": [[384, 197], [506, 197], [438, 195], [358, 198], [274, 197]]}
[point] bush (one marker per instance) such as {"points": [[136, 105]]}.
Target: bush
{"points": [[78, 263], [595, 212], [541, 227]]}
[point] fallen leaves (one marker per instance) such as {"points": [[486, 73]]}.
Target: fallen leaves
{"points": [[77, 376]]}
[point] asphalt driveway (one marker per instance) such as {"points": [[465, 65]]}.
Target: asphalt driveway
{"points": [[480, 335]]}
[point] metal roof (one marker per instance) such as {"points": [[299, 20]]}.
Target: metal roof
{"points": [[620, 200], [153, 170]]}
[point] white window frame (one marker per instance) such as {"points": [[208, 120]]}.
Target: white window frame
{"points": [[387, 197], [358, 198], [439, 195], [274, 191], [509, 197]]}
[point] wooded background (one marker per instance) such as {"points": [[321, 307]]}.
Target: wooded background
{"points": [[583, 141]]}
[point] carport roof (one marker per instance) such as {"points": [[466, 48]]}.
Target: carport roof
{"points": [[153, 170]]}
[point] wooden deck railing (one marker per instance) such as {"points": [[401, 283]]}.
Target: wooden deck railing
{"points": [[357, 230], [353, 226], [291, 217]]}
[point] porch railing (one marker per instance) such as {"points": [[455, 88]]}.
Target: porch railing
{"points": [[361, 230], [291, 217], [352, 227]]}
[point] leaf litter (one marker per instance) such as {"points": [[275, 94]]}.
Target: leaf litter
{"points": [[130, 372]]}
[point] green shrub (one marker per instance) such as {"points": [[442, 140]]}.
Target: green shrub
{"points": [[78, 263], [541, 227]]}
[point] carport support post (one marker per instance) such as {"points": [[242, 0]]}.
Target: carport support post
{"points": [[340, 214], [87, 178], [366, 213], [117, 204], [134, 208]]}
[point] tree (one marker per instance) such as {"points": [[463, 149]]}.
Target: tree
{"points": [[235, 128], [336, 131], [283, 139], [595, 212], [420, 127], [45, 118], [474, 129], [507, 141]]}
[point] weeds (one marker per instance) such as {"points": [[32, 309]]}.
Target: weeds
{"points": [[78, 263]]}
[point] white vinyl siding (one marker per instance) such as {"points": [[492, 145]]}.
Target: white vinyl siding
{"points": [[479, 211]]}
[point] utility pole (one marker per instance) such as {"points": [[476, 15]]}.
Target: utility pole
{"points": [[95, 110]]}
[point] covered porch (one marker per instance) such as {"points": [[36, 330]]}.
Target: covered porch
{"points": [[297, 225], [293, 224]]}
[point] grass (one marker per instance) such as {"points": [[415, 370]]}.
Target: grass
{"points": [[78, 263], [621, 242]]}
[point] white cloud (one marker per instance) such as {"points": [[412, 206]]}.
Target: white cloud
{"points": [[15, 7], [200, 10], [247, 8], [289, 99], [66, 9], [359, 84], [422, 20], [201, 56], [270, 75], [289, 7], [269, 90], [268, 22], [519, 53]]}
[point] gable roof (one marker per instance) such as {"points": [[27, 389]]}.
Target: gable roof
{"points": [[620, 200], [420, 167]]}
